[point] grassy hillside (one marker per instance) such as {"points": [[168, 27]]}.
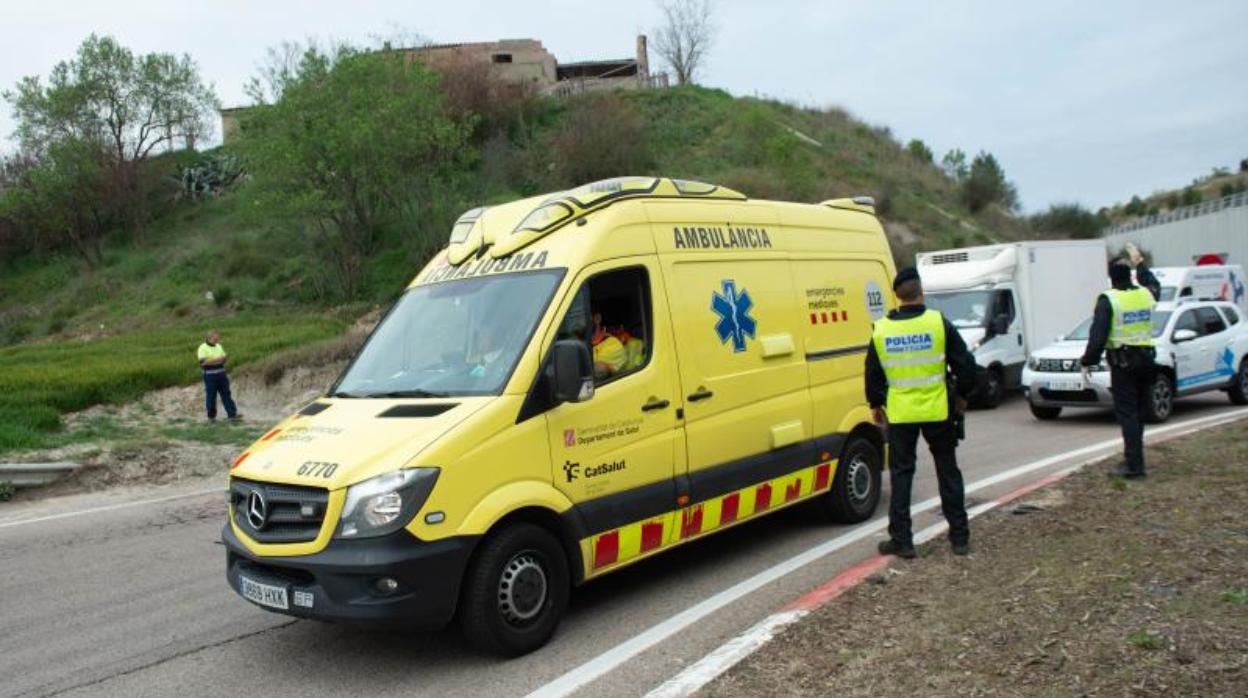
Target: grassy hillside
{"points": [[1219, 183], [85, 336]]}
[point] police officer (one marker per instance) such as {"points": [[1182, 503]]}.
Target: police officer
{"points": [[911, 354], [1122, 323]]}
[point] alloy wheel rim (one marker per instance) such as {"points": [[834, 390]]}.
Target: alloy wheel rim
{"points": [[1161, 397]]}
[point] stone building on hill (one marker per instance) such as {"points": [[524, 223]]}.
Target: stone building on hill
{"points": [[524, 62]]}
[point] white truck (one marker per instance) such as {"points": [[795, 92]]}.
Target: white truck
{"points": [[1011, 299]]}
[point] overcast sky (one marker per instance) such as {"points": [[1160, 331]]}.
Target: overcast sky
{"points": [[1080, 101]]}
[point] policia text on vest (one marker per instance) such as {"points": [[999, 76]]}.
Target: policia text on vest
{"points": [[909, 360], [1122, 323]]}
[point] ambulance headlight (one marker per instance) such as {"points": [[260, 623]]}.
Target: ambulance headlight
{"points": [[385, 503], [1033, 363]]}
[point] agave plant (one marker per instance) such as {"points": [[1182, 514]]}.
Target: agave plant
{"points": [[210, 176]]}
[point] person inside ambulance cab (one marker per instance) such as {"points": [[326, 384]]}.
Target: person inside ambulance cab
{"points": [[490, 345], [610, 354]]}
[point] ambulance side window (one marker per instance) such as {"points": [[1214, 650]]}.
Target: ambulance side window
{"points": [[611, 314]]}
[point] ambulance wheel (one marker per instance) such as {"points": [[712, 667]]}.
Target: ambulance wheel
{"points": [[1044, 413], [1159, 401], [855, 490], [515, 592], [1239, 387]]}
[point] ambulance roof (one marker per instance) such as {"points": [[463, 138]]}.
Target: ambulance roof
{"points": [[485, 236]]}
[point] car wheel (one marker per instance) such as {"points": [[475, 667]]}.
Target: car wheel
{"points": [[855, 492], [516, 591], [1239, 387], [1044, 413], [1159, 402]]}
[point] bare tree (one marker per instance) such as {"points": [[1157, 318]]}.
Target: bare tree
{"points": [[685, 37]]}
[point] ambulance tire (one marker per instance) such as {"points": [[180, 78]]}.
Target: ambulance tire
{"points": [[855, 492], [515, 592]]}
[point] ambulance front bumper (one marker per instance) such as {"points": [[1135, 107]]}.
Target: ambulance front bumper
{"points": [[391, 581]]}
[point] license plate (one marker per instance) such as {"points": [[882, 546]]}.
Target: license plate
{"points": [[264, 594], [1066, 385]]}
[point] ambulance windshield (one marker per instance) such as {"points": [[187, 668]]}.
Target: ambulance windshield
{"points": [[458, 337]]}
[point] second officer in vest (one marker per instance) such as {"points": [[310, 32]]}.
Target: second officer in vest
{"points": [[912, 353], [1122, 323]]}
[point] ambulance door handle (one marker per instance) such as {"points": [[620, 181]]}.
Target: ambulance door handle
{"points": [[655, 405], [700, 395]]}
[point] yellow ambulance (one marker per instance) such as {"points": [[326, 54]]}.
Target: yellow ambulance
{"points": [[577, 382]]}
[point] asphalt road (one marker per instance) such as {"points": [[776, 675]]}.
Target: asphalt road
{"points": [[132, 600]]}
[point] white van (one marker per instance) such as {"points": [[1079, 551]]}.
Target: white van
{"points": [[1223, 282]]}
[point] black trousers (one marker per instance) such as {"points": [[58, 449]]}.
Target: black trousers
{"points": [[1130, 390], [942, 440]]}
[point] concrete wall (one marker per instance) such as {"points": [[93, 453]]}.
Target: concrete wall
{"points": [[1189, 233], [510, 60]]}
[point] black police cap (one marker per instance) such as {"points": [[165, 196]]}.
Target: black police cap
{"points": [[907, 274]]}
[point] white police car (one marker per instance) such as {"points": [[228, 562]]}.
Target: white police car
{"points": [[1201, 345]]}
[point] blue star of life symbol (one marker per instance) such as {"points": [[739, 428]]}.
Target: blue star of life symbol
{"points": [[733, 309]]}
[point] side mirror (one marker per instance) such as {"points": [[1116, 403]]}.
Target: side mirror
{"points": [[1184, 335], [1001, 324], [573, 371]]}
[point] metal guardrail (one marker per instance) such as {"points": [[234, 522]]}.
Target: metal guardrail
{"points": [[1203, 208], [34, 474]]}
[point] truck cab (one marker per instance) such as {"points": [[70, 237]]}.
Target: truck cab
{"points": [[1007, 300]]}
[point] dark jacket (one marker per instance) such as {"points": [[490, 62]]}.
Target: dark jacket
{"points": [[1103, 315], [960, 362]]}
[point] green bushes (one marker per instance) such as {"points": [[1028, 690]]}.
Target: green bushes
{"points": [[38, 382], [1068, 221]]}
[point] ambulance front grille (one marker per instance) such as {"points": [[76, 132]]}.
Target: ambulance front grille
{"points": [[284, 513]]}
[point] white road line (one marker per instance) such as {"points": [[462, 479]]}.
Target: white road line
{"points": [[611, 659], [111, 507], [707, 669]]}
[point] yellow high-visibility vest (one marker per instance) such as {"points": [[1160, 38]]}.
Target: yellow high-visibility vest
{"points": [[912, 352], [1132, 321]]}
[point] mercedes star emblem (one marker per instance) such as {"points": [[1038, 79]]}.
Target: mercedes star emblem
{"points": [[257, 510]]}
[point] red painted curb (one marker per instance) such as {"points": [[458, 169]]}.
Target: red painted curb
{"points": [[839, 584], [854, 575]]}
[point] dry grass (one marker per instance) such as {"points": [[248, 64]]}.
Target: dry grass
{"points": [[1093, 587]]}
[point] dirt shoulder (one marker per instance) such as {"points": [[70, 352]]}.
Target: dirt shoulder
{"points": [[1095, 586]]}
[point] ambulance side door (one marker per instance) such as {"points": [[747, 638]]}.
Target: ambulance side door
{"points": [[615, 455]]}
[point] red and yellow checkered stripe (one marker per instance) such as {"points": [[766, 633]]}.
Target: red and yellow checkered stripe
{"points": [[611, 549]]}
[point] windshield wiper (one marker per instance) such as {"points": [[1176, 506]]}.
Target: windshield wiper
{"points": [[343, 393], [415, 392]]}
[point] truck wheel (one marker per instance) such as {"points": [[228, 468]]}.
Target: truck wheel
{"points": [[993, 389], [855, 489], [1239, 386], [515, 592], [1159, 402], [1044, 413]]}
